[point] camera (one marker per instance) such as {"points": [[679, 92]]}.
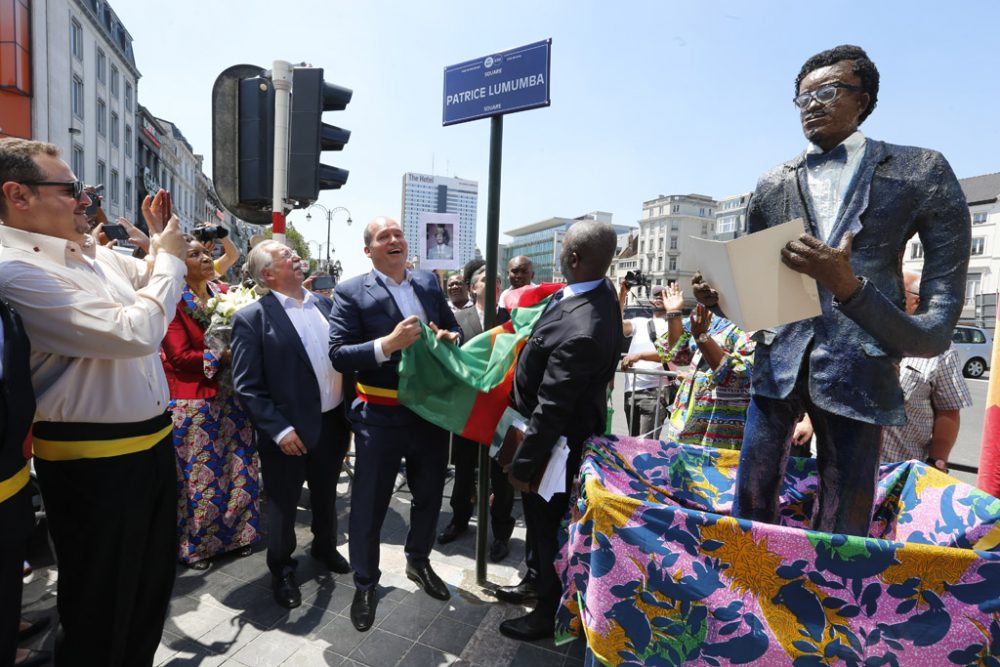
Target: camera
{"points": [[636, 279], [206, 232], [96, 194]]}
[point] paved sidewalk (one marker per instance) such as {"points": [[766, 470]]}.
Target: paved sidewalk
{"points": [[226, 615]]}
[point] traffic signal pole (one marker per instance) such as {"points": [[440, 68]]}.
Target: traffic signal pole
{"points": [[281, 76]]}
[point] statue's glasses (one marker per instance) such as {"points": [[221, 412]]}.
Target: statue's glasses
{"points": [[824, 94]]}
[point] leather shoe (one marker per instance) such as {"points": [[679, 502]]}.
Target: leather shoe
{"points": [[425, 577], [450, 533], [524, 591], [34, 658], [286, 591], [499, 550], [333, 561], [535, 625], [363, 609], [33, 628]]}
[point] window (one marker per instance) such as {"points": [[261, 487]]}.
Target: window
{"points": [[972, 282], [978, 245], [673, 243], [916, 250], [727, 224], [102, 65], [114, 82], [115, 129], [102, 172], [114, 186], [128, 140], [128, 96], [704, 229], [76, 39], [102, 117], [673, 263], [78, 161], [76, 97], [978, 218], [642, 246], [675, 208], [659, 263], [128, 194]]}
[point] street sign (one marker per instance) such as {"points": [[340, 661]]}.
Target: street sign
{"points": [[496, 84]]}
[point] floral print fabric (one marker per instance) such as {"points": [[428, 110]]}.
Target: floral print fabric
{"points": [[655, 572]]}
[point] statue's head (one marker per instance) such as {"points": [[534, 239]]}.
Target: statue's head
{"points": [[835, 91]]}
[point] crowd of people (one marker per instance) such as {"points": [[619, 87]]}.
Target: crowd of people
{"points": [[129, 379]]}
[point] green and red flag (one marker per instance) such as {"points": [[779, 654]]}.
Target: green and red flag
{"points": [[466, 389], [989, 455]]}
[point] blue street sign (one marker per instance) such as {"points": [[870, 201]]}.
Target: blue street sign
{"points": [[500, 83]]}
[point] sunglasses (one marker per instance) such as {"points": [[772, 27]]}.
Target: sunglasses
{"points": [[74, 188]]}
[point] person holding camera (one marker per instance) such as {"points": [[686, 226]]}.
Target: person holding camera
{"points": [[645, 395], [218, 469], [102, 435], [207, 234]]}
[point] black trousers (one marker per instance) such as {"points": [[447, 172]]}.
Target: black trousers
{"points": [[16, 519], [543, 521], [379, 450], [283, 477], [465, 457], [113, 522]]}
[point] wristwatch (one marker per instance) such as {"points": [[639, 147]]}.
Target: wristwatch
{"points": [[703, 338], [940, 464]]}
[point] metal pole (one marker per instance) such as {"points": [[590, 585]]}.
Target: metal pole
{"points": [[489, 318], [281, 76], [329, 221]]}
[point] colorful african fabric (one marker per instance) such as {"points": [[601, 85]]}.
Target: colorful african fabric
{"points": [[654, 572], [711, 405]]}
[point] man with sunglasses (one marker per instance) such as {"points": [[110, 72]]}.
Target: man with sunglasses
{"points": [[861, 201], [102, 436]]}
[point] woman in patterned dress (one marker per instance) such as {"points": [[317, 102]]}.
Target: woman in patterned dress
{"points": [[711, 404], [218, 506]]}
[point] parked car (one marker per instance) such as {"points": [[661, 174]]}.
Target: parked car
{"points": [[975, 348]]}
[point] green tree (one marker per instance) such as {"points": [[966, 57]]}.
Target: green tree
{"points": [[294, 239]]}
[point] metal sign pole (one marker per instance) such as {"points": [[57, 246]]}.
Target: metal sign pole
{"points": [[489, 318], [281, 76]]}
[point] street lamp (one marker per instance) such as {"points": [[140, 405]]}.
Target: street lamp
{"points": [[329, 221]]}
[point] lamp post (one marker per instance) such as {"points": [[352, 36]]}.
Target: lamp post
{"points": [[329, 221]]}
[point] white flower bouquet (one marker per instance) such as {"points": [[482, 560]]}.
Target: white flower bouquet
{"points": [[219, 311]]}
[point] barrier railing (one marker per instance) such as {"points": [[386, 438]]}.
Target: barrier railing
{"points": [[667, 380]]}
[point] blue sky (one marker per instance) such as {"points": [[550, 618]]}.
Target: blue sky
{"points": [[648, 98]]}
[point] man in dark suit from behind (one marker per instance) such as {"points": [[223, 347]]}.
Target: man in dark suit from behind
{"points": [[284, 378], [465, 453], [17, 410], [375, 317], [862, 201], [561, 385]]}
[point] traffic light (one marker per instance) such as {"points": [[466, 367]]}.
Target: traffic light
{"points": [[256, 132], [309, 136]]}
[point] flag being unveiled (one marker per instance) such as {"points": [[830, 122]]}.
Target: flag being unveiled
{"points": [[466, 389]]}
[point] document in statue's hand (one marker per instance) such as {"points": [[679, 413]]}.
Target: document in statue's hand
{"points": [[756, 290]]}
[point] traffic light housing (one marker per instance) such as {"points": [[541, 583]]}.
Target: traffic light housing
{"points": [[309, 136]]}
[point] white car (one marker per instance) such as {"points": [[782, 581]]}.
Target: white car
{"points": [[975, 348]]}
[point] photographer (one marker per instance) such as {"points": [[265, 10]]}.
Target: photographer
{"points": [[645, 408], [207, 234]]}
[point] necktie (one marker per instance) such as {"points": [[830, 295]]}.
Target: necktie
{"points": [[556, 298], [837, 154]]}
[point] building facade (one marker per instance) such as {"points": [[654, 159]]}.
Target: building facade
{"points": [[731, 217], [85, 94], [423, 193], [542, 241], [665, 229], [180, 167], [982, 193]]}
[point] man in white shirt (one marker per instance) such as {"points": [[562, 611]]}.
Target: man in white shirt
{"points": [[284, 378], [458, 293], [520, 272], [102, 436], [643, 409]]}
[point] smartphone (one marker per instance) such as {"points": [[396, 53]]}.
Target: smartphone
{"points": [[167, 209], [323, 282], [116, 232]]}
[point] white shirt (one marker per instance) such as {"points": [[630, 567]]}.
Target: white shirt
{"points": [[505, 295], [828, 182], [407, 302], [468, 304], [314, 332], [95, 320], [641, 343]]}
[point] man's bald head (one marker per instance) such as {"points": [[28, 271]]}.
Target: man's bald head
{"points": [[520, 271], [911, 283], [587, 251]]}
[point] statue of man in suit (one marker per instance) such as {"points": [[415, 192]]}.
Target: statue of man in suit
{"points": [[862, 201], [375, 317]]}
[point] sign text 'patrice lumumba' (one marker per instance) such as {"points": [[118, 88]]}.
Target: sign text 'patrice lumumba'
{"points": [[501, 83]]}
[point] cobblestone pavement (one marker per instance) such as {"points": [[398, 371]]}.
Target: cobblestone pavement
{"points": [[226, 615]]}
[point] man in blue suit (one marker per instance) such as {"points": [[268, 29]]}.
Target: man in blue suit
{"points": [[284, 378], [375, 316], [862, 201]]}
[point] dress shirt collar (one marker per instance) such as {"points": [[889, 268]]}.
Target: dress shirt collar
{"points": [[853, 144], [576, 289], [290, 302], [51, 248], [389, 281]]}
